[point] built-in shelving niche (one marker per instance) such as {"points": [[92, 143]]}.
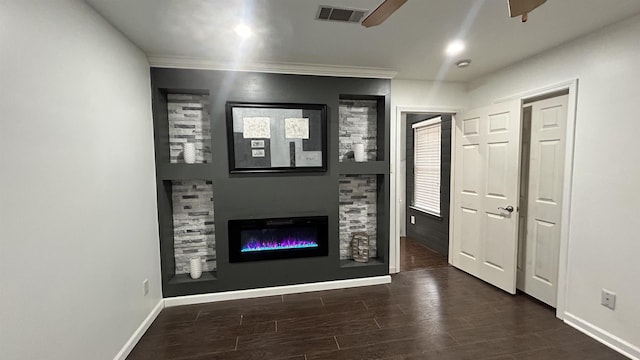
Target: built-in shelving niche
{"points": [[361, 206], [191, 228], [185, 196], [187, 228], [361, 120], [182, 116], [189, 123], [362, 202], [193, 225]]}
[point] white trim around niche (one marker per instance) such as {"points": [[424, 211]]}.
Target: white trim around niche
{"points": [[177, 62]]}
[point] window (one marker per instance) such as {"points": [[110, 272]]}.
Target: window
{"points": [[426, 165]]}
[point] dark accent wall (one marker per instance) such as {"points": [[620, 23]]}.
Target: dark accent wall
{"points": [[251, 196], [430, 230]]}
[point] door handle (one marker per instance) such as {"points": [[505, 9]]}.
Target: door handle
{"points": [[509, 208]]}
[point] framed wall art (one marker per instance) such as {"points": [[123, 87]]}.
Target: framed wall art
{"points": [[274, 137]]}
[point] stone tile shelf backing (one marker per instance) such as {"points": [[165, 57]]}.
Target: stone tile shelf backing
{"points": [[189, 121], [357, 210], [358, 123], [193, 224]]}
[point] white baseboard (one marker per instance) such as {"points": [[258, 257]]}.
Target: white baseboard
{"points": [[623, 347], [276, 290], [137, 335]]}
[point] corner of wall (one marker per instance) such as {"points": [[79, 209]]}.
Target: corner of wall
{"points": [[139, 332]]}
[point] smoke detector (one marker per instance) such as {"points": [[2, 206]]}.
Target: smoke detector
{"points": [[463, 63]]}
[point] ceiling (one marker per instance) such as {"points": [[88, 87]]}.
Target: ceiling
{"points": [[411, 41]]}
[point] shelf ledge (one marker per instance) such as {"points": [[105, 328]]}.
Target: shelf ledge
{"points": [[186, 278], [348, 263]]}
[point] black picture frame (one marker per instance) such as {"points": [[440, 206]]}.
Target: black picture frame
{"points": [[276, 137]]}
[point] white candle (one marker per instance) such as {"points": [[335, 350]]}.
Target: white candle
{"points": [[358, 152], [189, 153], [195, 267]]}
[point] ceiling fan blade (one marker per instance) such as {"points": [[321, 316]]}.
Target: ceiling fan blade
{"points": [[522, 7], [382, 12]]}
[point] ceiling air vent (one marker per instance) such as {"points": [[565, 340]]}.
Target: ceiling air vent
{"points": [[339, 14]]}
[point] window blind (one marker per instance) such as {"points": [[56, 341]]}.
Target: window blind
{"points": [[426, 168]]}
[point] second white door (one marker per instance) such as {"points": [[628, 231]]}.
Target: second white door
{"points": [[538, 273]]}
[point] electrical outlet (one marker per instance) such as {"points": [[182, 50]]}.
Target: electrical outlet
{"points": [[145, 287], [608, 299], [413, 220]]}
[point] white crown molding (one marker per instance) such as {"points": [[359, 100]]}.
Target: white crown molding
{"points": [[276, 68]]}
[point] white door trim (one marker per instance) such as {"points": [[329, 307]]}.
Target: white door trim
{"points": [[397, 176], [451, 187], [572, 86]]}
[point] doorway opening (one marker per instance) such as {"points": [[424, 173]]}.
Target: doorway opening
{"points": [[426, 166]]}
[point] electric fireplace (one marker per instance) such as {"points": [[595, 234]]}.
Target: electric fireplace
{"points": [[278, 238]]}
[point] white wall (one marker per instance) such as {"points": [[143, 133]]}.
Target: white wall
{"points": [[413, 96], [605, 199], [78, 218]]}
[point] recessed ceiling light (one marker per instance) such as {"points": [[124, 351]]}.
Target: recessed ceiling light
{"points": [[463, 63], [455, 47], [243, 30]]}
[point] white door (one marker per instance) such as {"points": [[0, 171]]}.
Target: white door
{"points": [[544, 199], [485, 188]]}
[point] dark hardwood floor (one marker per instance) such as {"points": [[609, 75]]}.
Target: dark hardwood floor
{"points": [[429, 311], [414, 256]]}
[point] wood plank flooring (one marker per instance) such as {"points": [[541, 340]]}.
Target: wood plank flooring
{"points": [[414, 256], [430, 311]]}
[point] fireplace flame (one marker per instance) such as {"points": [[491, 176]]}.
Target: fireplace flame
{"points": [[284, 244]]}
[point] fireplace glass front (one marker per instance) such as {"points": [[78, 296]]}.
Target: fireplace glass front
{"points": [[278, 238]]}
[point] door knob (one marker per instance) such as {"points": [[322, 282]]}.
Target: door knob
{"points": [[508, 208]]}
